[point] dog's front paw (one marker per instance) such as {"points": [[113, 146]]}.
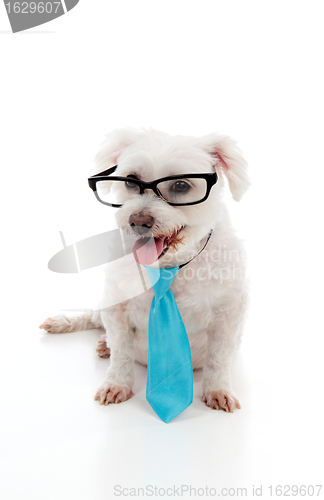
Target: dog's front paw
{"points": [[57, 324], [109, 393], [221, 400]]}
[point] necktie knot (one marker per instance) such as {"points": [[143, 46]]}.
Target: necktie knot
{"points": [[161, 279]]}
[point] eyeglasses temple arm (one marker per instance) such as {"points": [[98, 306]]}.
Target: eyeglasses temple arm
{"points": [[105, 172]]}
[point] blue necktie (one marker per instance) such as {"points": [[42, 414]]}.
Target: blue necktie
{"points": [[169, 388]]}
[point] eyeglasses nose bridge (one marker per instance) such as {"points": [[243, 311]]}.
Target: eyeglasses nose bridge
{"points": [[150, 187], [144, 188]]}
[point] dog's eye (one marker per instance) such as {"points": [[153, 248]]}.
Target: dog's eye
{"points": [[130, 184], [180, 187]]}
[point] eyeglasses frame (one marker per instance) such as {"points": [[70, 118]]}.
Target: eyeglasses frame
{"points": [[211, 179]]}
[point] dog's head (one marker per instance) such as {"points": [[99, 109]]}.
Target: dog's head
{"points": [[148, 155]]}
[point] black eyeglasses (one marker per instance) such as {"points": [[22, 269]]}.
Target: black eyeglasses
{"points": [[177, 190]]}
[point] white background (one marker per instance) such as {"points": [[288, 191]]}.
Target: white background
{"points": [[252, 70]]}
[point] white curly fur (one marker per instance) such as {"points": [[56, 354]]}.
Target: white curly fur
{"points": [[211, 292]]}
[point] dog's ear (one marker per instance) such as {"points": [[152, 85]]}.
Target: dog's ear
{"points": [[228, 161], [112, 147]]}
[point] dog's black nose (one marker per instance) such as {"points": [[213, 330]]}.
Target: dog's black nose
{"points": [[141, 223]]}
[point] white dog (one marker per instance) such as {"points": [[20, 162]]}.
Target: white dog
{"points": [[211, 291]]}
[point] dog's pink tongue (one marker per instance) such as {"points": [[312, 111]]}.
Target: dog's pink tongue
{"points": [[147, 250]]}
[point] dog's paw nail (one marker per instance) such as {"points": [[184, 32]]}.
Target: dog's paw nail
{"points": [[115, 394], [221, 400]]}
